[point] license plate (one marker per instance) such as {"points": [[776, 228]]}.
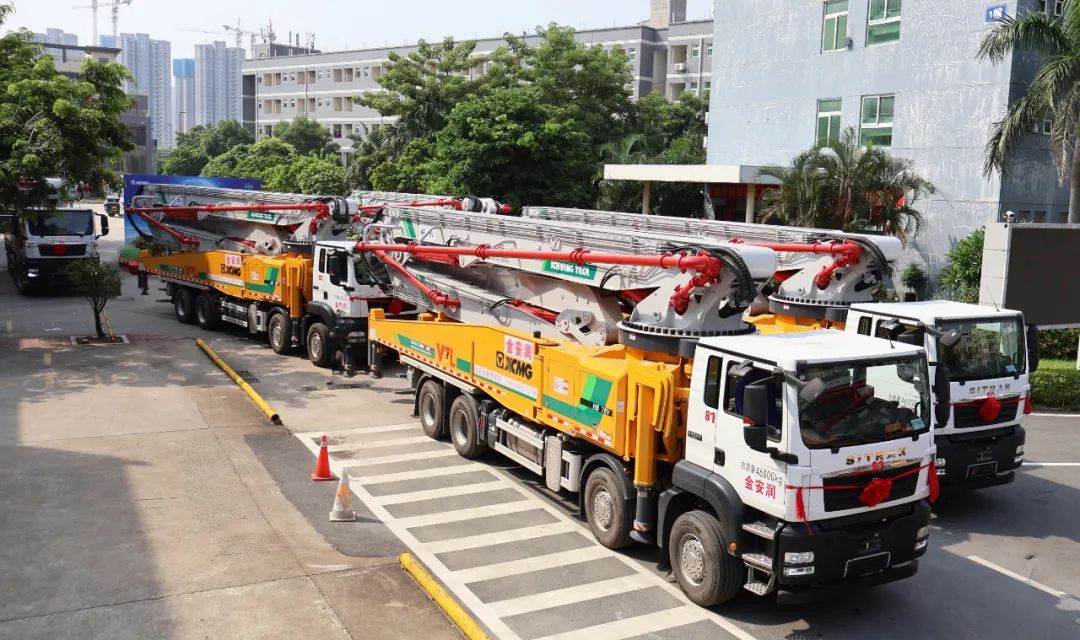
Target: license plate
{"points": [[982, 470], [868, 564]]}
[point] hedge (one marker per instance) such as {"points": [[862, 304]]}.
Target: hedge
{"points": [[1058, 344], [1056, 385]]}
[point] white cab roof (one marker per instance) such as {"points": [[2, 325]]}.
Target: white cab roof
{"points": [[931, 311], [788, 349]]}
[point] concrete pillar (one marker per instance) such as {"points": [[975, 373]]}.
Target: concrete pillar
{"points": [[751, 202], [646, 192]]}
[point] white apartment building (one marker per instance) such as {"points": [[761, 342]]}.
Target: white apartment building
{"points": [[217, 83], [149, 62], [184, 95]]}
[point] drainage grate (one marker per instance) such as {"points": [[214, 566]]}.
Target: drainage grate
{"points": [[247, 376]]}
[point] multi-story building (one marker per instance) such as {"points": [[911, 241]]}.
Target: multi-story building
{"points": [[55, 36], [667, 53], [217, 83], [149, 62], [906, 77], [68, 59], [184, 94]]}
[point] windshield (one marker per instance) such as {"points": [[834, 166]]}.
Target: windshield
{"points": [[370, 273], [866, 402], [61, 223], [988, 349]]}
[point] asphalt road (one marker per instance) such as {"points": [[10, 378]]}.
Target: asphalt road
{"points": [[1003, 562]]}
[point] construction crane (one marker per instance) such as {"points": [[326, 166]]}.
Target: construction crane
{"points": [[266, 33], [115, 10]]}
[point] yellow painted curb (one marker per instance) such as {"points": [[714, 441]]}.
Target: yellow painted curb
{"points": [[471, 628], [254, 395]]}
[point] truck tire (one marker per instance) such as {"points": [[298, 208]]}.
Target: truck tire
{"points": [[429, 404], [707, 573], [22, 283], [184, 306], [206, 312], [279, 333], [318, 345], [464, 433], [605, 508]]}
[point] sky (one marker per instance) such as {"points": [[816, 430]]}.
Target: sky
{"points": [[337, 24]]}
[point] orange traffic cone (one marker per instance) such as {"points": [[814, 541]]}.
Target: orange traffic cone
{"points": [[322, 467]]}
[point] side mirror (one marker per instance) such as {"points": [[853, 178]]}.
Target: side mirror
{"points": [[950, 339], [1033, 348], [755, 412], [812, 390], [942, 396], [914, 338], [104, 224]]}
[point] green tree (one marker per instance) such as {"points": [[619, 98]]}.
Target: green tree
{"points": [[664, 121], [370, 149], [1054, 92], [98, 282], [621, 195], [961, 277], [218, 139], [513, 145], [842, 185], [421, 88], [184, 161], [306, 136], [251, 160], [685, 199], [53, 126], [311, 174], [410, 172], [592, 84]]}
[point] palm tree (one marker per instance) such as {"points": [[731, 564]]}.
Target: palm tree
{"points": [[844, 185], [619, 195], [1054, 92]]}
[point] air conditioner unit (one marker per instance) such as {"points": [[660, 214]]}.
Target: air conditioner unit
{"points": [[680, 67]]}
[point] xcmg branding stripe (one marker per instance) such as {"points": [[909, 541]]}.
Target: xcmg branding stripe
{"points": [[171, 269], [509, 384], [236, 282], [409, 343], [269, 285], [409, 229], [464, 365], [582, 271]]}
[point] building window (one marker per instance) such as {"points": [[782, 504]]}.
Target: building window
{"points": [[708, 50], [367, 72], [695, 51], [834, 29], [693, 86], [1040, 217], [1059, 6], [1042, 6], [828, 120], [631, 54], [884, 21], [708, 85], [1047, 126], [337, 131], [877, 120]]}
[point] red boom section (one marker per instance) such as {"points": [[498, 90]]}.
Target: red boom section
{"points": [[847, 252], [707, 266]]}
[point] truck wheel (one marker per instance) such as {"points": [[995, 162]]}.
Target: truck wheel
{"points": [[464, 416], [206, 312], [279, 332], [707, 573], [605, 508], [22, 283], [184, 306], [318, 346], [429, 402]]}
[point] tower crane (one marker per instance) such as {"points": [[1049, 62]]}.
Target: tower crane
{"points": [[115, 10]]}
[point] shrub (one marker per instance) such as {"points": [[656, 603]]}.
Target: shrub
{"points": [[1058, 344], [960, 278], [1056, 385], [914, 278]]}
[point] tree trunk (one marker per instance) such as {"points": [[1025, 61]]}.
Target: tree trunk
{"points": [[1074, 185], [97, 324]]}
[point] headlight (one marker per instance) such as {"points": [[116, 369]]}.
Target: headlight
{"points": [[356, 335], [801, 557], [798, 571], [1019, 449], [920, 544], [939, 462], [922, 533], [31, 273]]}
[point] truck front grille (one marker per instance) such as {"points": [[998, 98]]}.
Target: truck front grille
{"points": [[68, 250], [837, 499], [966, 415]]}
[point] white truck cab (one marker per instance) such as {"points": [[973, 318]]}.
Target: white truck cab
{"points": [[41, 243], [981, 442], [816, 453]]}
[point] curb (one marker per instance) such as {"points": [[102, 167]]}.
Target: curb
{"points": [[269, 411], [460, 617]]}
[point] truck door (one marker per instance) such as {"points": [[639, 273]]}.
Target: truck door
{"points": [[757, 476]]}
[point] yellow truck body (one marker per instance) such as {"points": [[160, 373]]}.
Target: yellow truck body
{"points": [[611, 396], [284, 280]]}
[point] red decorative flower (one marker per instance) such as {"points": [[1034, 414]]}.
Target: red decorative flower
{"points": [[990, 408], [876, 492]]}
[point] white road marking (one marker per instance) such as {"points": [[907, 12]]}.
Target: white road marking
{"points": [[469, 513], [445, 492], [535, 563], [405, 457], [1056, 415], [499, 537], [1016, 576], [415, 475], [491, 615], [571, 595], [1051, 464], [378, 444], [339, 433], [638, 625]]}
